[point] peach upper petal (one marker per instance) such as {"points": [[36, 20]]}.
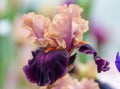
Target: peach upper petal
{"points": [[67, 26], [60, 30], [37, 24], [71, 10], [67, 82], [65, 31]]}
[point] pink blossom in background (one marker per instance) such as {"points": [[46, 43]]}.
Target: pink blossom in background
{"points": [[99, 32]]}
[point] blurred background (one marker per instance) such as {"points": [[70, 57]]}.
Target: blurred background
{"points": [[15, 48]]}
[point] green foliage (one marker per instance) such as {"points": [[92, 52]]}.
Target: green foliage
{"points": [[86, 5]]}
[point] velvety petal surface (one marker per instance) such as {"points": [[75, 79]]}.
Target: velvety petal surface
{"points": [[45, 68], [117, 62], [102, 65]]}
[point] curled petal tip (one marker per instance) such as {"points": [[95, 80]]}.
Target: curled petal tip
{"points": [[102, 65]]}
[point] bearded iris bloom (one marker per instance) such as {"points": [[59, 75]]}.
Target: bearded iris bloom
{"points": [[56, 41]]}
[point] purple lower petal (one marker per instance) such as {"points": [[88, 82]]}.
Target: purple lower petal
{"points": [[102, 65], [46, 68]]}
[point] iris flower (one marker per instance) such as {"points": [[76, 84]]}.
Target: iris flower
{"points": [[56, 41]]}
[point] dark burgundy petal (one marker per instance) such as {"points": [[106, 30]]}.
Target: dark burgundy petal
{"points": [[102, 65], [87, 49], [105, 68], [30, 62], [117, 62], [46, 68], [30, 73], [72, 59], [34, 53]]}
